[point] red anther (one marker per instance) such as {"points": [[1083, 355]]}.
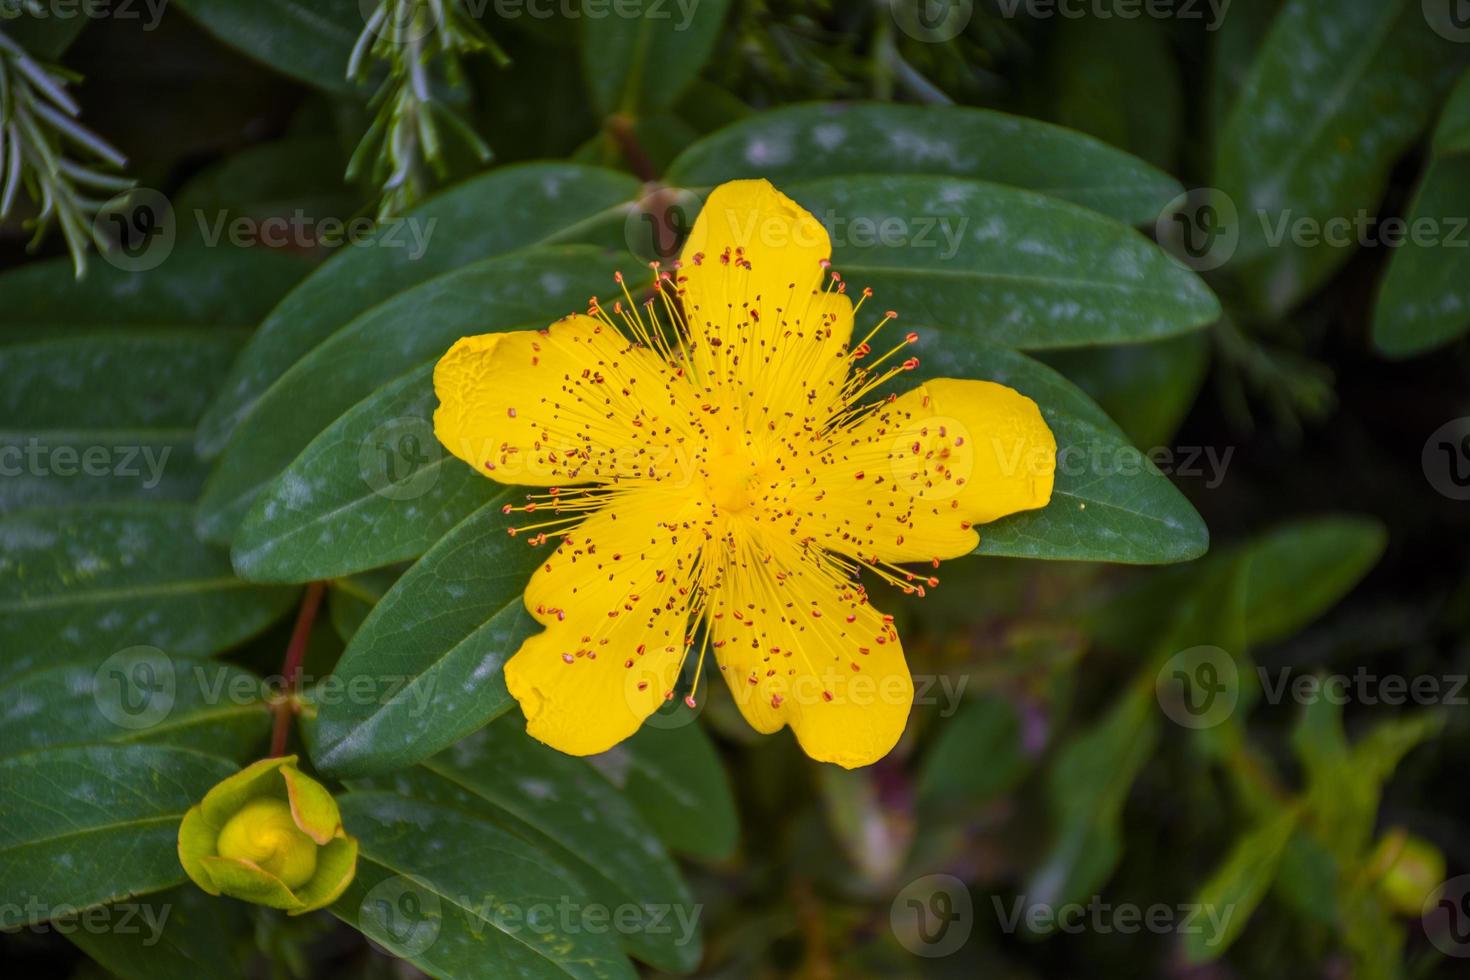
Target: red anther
{"points": [[867, 291], [506, 509], [689, 700], [910, 364], [912, 337], [511, 412], [826, 695], [618, 276], [568, 658], [776, 700]]}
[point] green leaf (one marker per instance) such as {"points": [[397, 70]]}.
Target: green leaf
{"points": [[559, 805], [180, 934], [524, 290], [1239, 884], [1006, 265], [90, 581], [350, 598], [1109, 502], [194, 286], [136, 695], [503, 210], [1087, 785], [90, 824], [310, 40], [678, 783], [1117, 79], [431, 653], [1238, 39], [986, 727], [1424, 301], [802, 142], [1340, 90], [107, 415], [375, 487], [642, 54], [1146, 388], [1302, 569], [453, 894]]}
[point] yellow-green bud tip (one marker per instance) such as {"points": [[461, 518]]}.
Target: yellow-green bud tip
{"points": [[264, 834]]}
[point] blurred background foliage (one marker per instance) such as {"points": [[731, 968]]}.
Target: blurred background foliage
{"points": [[1052, 775]]}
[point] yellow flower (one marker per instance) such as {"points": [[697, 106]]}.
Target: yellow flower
{"points": [[271, 835], [717, 456]]}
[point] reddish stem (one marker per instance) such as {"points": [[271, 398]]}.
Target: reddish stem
{"points": [[286, 707], [620, 128]]}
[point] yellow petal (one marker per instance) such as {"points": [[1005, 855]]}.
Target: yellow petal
{"points": [[910, 480], [575, 403], [800, 645], [764, 328], [614, 599]]}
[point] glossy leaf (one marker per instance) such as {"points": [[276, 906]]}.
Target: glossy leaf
{"points": [[677, 781], [137, 695], [87, 582], [1014, 267], [375, 487], [1300, 570], [180, 934], [525, 290], [1339, 91], [307, 39], [457, 896], [84, 825], [431, 653], [803, 142], [1146, 388], [501, 211], [194, 286], [1109, 502], [640, 55], [1424, 300], [558, 804], [107, 415]]}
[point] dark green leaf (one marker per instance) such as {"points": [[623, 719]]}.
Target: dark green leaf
{"points": [[503, 210], [1424, 301], [1146, 388], [194, 286], [1011, 266], [817, 140], [561, 806], [1109, 502], [524, 290], [640, 55], [375, 487], [431, 653], [677, 781], [90, 824], [87, 582], [988, 728], [136, 695], [1302, 569], [306, 39], [180, 934], [1340, 89], [107, 415], [458, 897], [1117, 79]]}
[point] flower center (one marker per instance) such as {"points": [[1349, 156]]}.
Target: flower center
{"points": [[727, 479]]}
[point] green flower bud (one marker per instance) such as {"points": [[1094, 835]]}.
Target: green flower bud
{"points": [[1408, 870], [269, 835]]}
